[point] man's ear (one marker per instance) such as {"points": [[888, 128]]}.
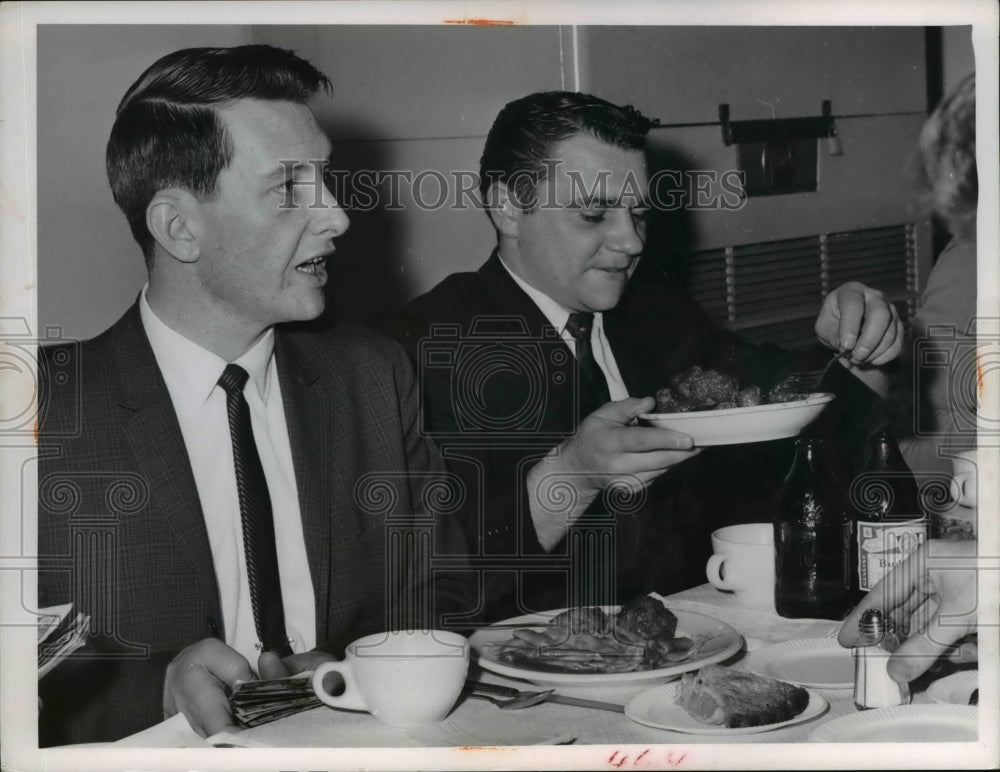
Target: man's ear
{"points": [[169, 217], [504, 212]]}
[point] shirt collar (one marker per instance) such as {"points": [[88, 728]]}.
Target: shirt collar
{"points": [[556, 313], [192, 372]]}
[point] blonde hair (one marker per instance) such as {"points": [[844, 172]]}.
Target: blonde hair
{"points": [[948, 160]]}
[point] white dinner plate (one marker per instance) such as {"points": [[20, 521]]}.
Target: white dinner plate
{"points": [[723, 641], [816, 663], [737, 425], [955, 689], [657, 707], [903, 724]]}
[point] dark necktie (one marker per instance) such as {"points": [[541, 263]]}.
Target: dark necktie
{"points": [[255, 512], [579, 325]]}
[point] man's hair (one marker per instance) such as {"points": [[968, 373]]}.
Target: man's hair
{"points": [[523, 135], [948, 160], [167, 134]]}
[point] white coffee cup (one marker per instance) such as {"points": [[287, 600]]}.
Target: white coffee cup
{"points": [[743, 562], [405, 679]]}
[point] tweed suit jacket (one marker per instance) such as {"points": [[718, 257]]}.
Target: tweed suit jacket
{"points": [[122, 533], [510, 366]]}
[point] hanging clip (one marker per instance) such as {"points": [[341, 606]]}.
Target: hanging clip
{"points": [[776, 129]]}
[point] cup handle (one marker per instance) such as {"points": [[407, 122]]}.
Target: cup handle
{"points": [[351, 699], [714, 572]]}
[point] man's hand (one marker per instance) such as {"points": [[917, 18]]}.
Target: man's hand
{"points": [[858, 319], [198, 683], [932, 598], [606, 449]]}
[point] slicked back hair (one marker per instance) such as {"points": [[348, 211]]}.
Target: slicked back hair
{"points": [[525, 131], [168, 134]]}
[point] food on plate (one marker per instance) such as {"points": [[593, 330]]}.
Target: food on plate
{"points": [[582, 619], [645, 618], [696, 389], [781, 393], [722, 696], [704, 387], [586, 639]]}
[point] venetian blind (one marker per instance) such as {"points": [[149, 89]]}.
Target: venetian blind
{"points": [[771, 291]]}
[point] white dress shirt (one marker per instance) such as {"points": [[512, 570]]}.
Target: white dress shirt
{"points": [[191, 374], [558, 315]]}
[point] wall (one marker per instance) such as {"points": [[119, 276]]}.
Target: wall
{"points": [[405, 98], [89, 268], [874, 78], [957, 56], [421, 99]]}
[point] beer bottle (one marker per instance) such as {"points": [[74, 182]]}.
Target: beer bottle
{"points": [[810, 567], [889, 523]]}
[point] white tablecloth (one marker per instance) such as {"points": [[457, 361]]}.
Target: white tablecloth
{"points": [[476, 722]]}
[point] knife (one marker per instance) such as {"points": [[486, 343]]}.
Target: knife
{"points": [[580, 702]]}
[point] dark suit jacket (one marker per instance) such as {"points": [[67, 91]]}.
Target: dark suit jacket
{"points": [[510, 392], [122, 532]]}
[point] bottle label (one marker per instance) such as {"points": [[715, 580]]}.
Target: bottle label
{"points": [[883, 545]]}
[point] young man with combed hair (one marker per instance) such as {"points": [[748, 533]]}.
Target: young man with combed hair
{"points": [[202, 483]]}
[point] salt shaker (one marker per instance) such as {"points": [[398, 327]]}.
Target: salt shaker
{"points": [[873, 688]]}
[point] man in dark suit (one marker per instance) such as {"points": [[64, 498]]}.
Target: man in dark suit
{"points": [[534, 368], [218, 491]]}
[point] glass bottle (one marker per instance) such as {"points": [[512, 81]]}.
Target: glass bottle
{"points": [[810, 567], [889, 523], [873, 688]]}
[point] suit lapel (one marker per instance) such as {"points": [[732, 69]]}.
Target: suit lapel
{"points": [[508, 299], [155, 438], [307, 413]]}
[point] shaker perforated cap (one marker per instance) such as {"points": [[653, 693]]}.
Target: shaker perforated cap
{"points": [[874, 625]]}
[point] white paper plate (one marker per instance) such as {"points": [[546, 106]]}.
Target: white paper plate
{"points": [[656, 707], [737, 425], [903, 724], [816, 663], [955, 689], [723, 642]]}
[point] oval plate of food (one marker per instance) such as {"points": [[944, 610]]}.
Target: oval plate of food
{"points": [[535, 648], [738, 425], [658, 707]]}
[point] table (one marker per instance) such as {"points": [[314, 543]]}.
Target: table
{"points": [[476, 722]]}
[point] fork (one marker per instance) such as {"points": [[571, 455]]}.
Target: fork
{"points": [[504, 697], [806, 381]]}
